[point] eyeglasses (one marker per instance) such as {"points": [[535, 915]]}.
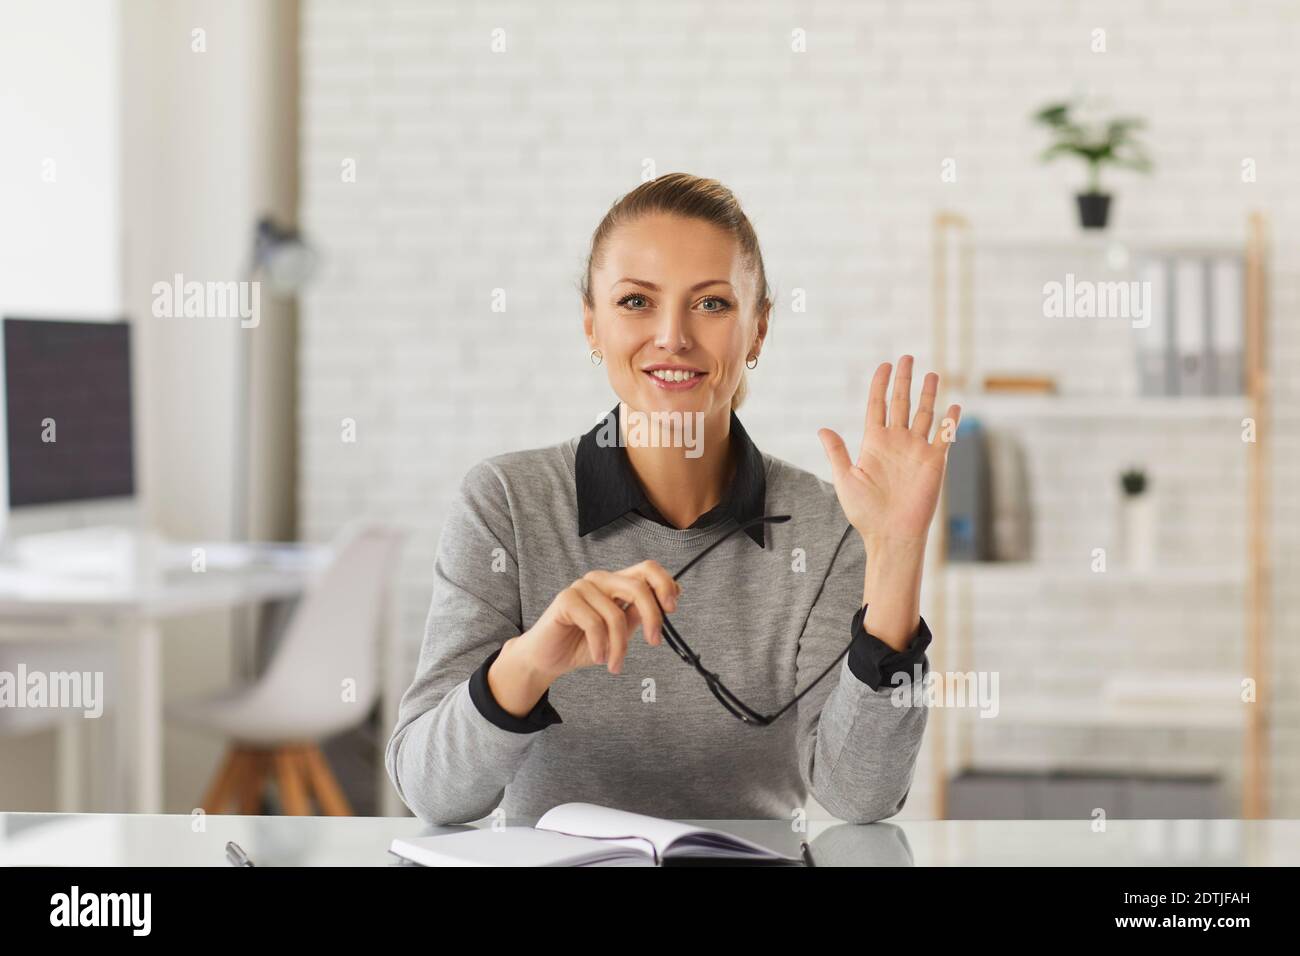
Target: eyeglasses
{"points": [[730, 701]]}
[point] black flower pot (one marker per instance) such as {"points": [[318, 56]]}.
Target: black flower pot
{"points": [[1094, 209]]}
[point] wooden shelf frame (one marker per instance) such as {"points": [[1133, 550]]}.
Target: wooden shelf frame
{"points": [[954, 652]]}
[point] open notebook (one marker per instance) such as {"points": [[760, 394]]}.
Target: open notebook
{"points": [[583, 834]]}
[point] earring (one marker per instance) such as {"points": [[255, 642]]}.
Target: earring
{"points": [[597, 356], [752, 362]]}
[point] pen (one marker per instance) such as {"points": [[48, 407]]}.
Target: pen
{"points": [[236, 856], [806, 851]]}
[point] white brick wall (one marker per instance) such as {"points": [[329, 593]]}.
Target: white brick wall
{"points": [[478, 171]]}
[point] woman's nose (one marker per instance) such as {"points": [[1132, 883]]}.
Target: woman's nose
{"points": [[671, 335]]}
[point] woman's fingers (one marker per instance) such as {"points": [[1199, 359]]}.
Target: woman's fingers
{"points": [[634, 596], [615, 623], [607, 605], [633, 618], [836, 453], [579, 613], [876, 397], [900, 405], [925, 411], [660, 581], [946, 433]]}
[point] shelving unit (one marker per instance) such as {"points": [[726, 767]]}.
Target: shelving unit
{"points": [[1116, 707], [1066, 712], [1172, 408], [1033, 573]]}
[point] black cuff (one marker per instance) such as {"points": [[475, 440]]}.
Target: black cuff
{"points": [[874, 662], [539, 718]]}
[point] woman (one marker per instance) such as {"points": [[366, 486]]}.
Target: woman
{"points": [[552, 558]]}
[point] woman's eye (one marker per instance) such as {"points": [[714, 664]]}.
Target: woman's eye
{"points": [[720, 304], [632, 297]]}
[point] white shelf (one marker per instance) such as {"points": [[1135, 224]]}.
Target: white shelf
{"points": [[1101, 243], [1169, 701], [993, 405], [1032, 573], [1085, 713]]}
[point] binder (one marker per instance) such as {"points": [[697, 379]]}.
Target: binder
{"points": [[1190, 333], [1227, 315], [1154, 357], [966, 494]]}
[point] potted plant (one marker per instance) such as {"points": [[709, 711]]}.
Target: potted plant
{"points": [[1137, 520], [1098, 144]]}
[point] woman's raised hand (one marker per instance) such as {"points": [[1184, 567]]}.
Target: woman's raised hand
{"points": [[891, 491]]}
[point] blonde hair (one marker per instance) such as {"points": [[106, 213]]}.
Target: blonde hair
{"points": [[692, 197]]}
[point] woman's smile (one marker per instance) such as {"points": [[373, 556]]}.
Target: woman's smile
{"points": [[673, 378]]}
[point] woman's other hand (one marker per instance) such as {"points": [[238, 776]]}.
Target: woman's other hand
{"points": [[589, 622]]}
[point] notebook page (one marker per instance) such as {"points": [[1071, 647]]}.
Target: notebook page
{"points": [[511, 846], [620, 826]]}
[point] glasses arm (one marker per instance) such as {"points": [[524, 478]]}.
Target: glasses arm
{"points": [[770, 519], [838, 657], [685, 651], [799, 696], [689, 655]]}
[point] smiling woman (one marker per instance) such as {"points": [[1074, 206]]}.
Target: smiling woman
{"points": [[681, 225], [675, 306]]}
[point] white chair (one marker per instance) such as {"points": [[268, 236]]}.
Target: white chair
{"points": [[322, 680], [59, 653]]}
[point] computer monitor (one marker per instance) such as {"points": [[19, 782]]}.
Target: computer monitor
{"points": [[67, 423]]}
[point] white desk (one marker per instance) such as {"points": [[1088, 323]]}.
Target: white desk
{"points": [[54, 839], [130, 609]]}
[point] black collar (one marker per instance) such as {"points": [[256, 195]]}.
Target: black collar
{"points": [[608, 488]]}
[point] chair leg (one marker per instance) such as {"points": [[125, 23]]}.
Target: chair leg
{"points": [[328, 792], [69, 748], [292, 780], [300, 773], [257, 765], [224, 784]]}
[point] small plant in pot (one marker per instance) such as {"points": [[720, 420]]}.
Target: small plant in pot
{"points": [[1133, 481], [1137, 520], [1098, 144]]}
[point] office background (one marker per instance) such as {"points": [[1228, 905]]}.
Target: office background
{"points": [[477, 171]]}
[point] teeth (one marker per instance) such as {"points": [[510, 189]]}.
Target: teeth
{"points": [[673, 375]]}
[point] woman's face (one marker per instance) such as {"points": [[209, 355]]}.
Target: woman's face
{"points": [[674, 315]]}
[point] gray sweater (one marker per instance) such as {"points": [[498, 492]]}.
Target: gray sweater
{"points": [[652, 739]]}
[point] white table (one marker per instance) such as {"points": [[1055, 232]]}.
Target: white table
{"points": [[129, 607], [75, 839]]}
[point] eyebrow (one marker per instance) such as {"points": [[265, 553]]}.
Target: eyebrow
{"points": [[652, 286]]}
